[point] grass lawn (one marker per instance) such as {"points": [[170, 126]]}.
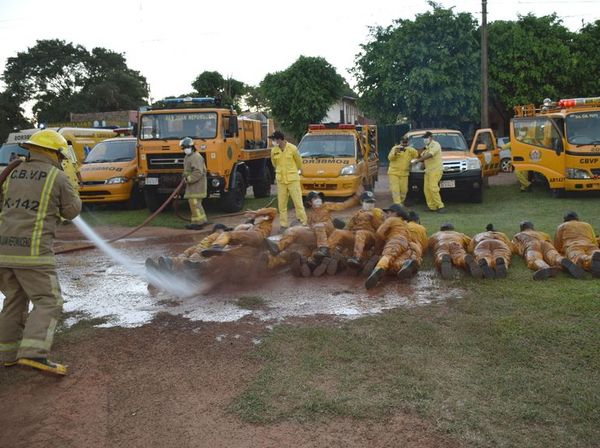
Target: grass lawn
{"points": [[112, 215], [514, 363]]}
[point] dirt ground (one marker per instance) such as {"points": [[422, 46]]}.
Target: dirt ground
{"points": [[169, 382]]}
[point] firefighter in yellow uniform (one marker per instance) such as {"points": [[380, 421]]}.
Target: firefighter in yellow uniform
{"points": [[34, 198], [540, 255], [399, 169], [577, 241], [431, 156], [492, 251], [194, 174], [450, 248], [287, 162]]}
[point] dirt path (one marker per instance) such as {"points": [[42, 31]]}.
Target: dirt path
{"points": [[168, 384]]}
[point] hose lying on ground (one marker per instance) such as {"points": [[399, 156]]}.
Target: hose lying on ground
{"points": [[148, 220]]}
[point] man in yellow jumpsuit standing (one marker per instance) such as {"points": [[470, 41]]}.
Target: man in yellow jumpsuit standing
{"points": [[540, 255], [34, 198], [194, 174], [287, 162], [431, 156], [577, 241], [399, 169]]}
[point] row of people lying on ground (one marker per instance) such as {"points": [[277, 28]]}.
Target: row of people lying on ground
{"points": [[376, 242]]}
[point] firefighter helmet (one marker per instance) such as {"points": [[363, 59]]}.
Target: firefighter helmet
{"points": [[46, 139], [186, 142]]}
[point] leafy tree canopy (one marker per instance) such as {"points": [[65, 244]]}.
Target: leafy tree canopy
{"points": [[213, 84], [302, 93], [61, 77]]}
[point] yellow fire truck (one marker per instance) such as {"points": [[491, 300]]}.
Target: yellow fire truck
{"points": [[559, 143], [234, 148], [337, 158]]}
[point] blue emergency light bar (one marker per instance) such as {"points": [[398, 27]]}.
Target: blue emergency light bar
{"points": [[202, 100]]}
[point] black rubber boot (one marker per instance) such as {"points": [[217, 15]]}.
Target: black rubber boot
{"points": [[374, 278], [573, 269], [501, 270], [595, 265], [354, 263], [272, 246], [165, 264], [543, 274], [321, 268], [332, 266], [321, 253], [151, 264], [43, 365], [485, 268], [408, 270], [473, 267], [212, 251], [446, 267], [370, 265]]}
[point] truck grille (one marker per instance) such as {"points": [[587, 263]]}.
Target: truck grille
{"points": [[164, 161], [320, 186], [455, 166], [94, 182]]}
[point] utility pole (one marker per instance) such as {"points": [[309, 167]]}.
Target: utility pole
{"points": [[484, 66]]}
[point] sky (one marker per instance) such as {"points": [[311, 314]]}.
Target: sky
{"points": [[172, 42]]}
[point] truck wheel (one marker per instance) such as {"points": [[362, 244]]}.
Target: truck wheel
{"points": [[233, 200], [153, 199], [262, 188], [557, 193], [477, 196], [506, 165], [136, 199]]}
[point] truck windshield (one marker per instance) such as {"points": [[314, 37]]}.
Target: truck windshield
{"points": [[448, 141], [117, 151], [10, 151], [327, 146], [178, 125], [583, 128]]}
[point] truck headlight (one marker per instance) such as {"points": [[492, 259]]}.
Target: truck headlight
{"points": [[215, 182], [348, 170], [574, 173], [473, 163], [117, 180]]}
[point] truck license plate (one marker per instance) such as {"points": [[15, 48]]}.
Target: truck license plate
{"points": [[152, 181], [447, 184]]}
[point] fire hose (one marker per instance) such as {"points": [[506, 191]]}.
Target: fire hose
{"points": [[12, 165]]}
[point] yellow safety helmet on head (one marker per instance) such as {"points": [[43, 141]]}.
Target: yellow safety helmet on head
{"points": [[46, 139]]}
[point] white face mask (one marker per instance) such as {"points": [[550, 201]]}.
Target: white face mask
{"points": [[187, 151], [428, 140], [316, 203], [368, 206]]}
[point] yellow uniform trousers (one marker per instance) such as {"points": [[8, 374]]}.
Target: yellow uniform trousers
{"points": [[431, 188], [398, 187], [197, 211], [293, 190], [23, 335], [523, 178]]}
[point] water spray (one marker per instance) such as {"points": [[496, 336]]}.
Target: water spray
{"points": [[166, 281]]}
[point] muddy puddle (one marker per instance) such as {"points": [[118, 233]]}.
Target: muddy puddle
{"points": [[96, 287]]}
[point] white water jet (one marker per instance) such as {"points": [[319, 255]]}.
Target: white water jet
{"points": [[165, 281]]}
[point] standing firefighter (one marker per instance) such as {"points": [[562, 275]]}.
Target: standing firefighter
{"points": [[577, 241], [540, 255], [34, 199], [398, 171], [194, 174], [287, 163], [431, 156]]}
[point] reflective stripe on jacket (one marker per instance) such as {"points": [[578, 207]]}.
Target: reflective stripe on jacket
{"points": [[34, 198], [194, 172]]}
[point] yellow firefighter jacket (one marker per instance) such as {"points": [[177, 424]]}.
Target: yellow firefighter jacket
{"points": [[400, 160], [33, 199], [194, 172], [286, 163]]}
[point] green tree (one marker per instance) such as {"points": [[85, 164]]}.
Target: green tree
{"points": [[11, 115], [426, 69], [302, 93], [586, 81], [529, 59], [213, 84], [61, 77]]}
